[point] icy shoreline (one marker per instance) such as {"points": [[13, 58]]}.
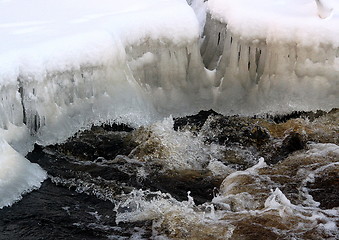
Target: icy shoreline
{"points": [[83, 64], [65, 67]]}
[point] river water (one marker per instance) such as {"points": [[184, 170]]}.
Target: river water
{"points": [[205, 176]]}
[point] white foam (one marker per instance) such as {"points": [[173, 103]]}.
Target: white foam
{"points": [[277, 200], [179, 150], [250, 171]]}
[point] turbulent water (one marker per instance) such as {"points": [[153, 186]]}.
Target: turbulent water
{"points": [[206, 176]]}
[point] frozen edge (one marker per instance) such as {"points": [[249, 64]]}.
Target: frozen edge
{"points": [[17, 175]]}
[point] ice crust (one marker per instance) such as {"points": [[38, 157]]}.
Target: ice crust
{"points": [[65, 65]]}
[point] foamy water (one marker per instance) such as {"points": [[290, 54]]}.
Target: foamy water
{"points": [[214, 177]]}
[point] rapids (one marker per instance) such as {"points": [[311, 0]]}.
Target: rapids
{"points": [[205, 176]]}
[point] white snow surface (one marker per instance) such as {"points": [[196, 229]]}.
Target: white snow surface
{"points": [[199, 7], [42, 35], [279, 20]]}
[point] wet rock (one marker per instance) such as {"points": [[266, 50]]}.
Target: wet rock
{"points": [[323, 129], [234, 130], [194, 122], [257, 133], [116, 127], [292, 142], [98, 142], [298, 114]]}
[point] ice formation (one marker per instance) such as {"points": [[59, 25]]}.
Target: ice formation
{"points": [[66, 65], [273, 53], [17, 175]]}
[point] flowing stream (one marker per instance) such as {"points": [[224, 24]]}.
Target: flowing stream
{"points": [[205, 176]]}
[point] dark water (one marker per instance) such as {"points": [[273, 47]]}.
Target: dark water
{"points": [[95, 171], [55, 212]]}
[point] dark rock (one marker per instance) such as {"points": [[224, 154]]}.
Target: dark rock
{"points": [[297, 114], [199, 183], [258, 134], [117, 127], [197, 120], [291, 143], [90, 145]]}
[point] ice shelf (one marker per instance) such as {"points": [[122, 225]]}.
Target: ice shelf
{"points": [[65, 65]]}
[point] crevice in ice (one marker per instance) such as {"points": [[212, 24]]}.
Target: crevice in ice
{"points": [[218, 38]]}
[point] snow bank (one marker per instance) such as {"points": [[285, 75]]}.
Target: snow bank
{"points": [[59, 35], [199, 8], [278, 20]]}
